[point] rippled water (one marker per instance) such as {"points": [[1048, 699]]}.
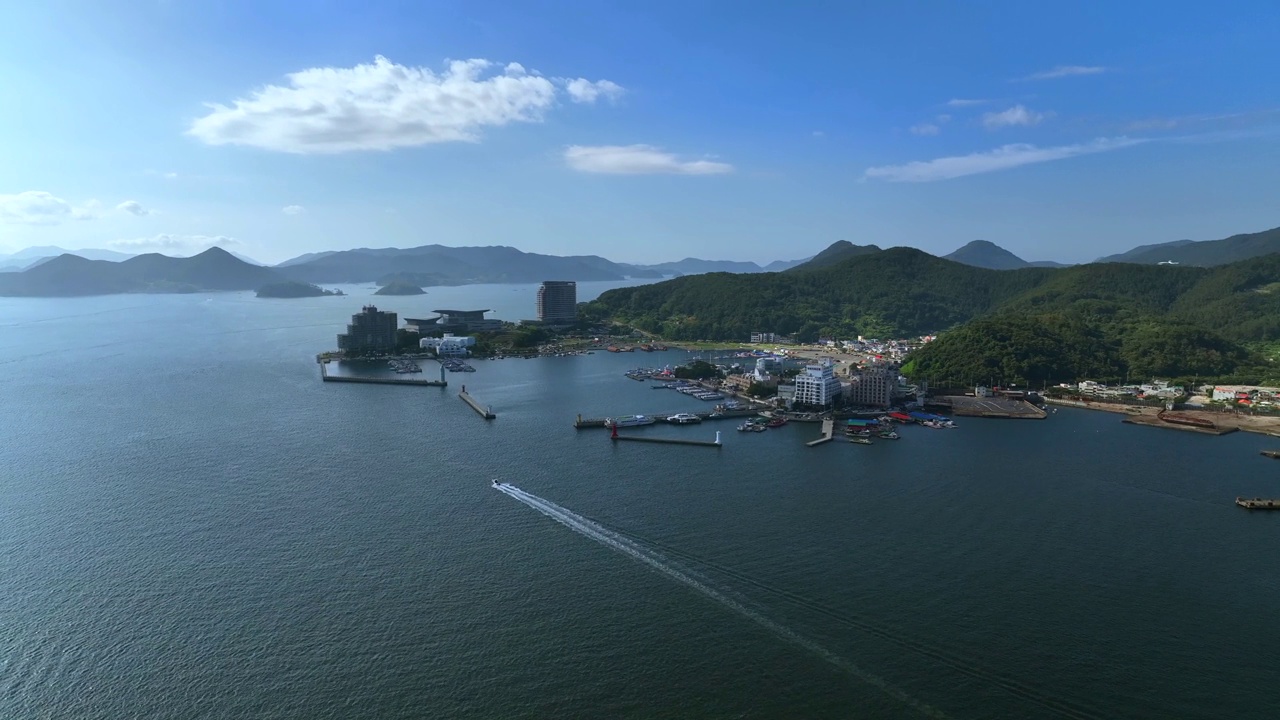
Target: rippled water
{"points": [[192, 525]]}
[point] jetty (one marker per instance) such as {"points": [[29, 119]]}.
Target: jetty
{"points": [[1180, 421], [326, 377], [1258, 503], [828, 433], [666, 441], [484, 411], [600, 422]]}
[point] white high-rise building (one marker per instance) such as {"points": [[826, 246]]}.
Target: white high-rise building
{"points": [[817, 385]]}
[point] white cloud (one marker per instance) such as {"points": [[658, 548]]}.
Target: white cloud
{"points": [[133, 207], [383, 105], [1062, 71], [584, 91], [1016, 115], [173, 243], [965, 102], [171, 176], [925, 129], [36, 207], [637, 160], [293, 209], [819, 133], [1001, 158], [941, 119]]}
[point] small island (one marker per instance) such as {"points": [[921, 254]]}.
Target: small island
{"points": [[294, 289], [400, 287]]}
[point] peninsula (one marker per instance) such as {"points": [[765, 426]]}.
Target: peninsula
{"points": [[400, 287], [294, 289]]}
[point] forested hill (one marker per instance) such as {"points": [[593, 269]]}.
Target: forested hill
{"points": [[1101, 320], [895, 292]]}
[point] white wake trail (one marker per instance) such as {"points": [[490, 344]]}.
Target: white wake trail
{"points": [[675, 571]]}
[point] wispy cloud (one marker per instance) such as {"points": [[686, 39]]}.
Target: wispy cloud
{"points": [[1016, 115], [1062, 71], [133, 207], [36, 207], [293, 209], [383, 105], [637, 160], [924, 129], [966, 102], [1001, 158], [173, 243]]}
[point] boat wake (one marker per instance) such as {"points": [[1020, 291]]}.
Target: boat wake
{"points": [[694, 580]]}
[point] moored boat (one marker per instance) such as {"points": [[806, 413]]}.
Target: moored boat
{"points": [[628, 421], [684, 419], [860, 440], [1258, 503]]}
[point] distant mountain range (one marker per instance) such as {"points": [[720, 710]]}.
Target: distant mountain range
{"points": [[67, 275], [1206, 253], [88, 272]]}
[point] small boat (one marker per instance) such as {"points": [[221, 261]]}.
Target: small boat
{"points": [[684, 419], [891, 435], [860, 440], [776, 422], [1258, 503], [1273, 454], [496, 483], [744, 427]]}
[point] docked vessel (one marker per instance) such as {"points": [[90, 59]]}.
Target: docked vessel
{"points": [[890, 435], [860, 440], [628, 421], [1258, 503], [684, 419], [1273, 454]]}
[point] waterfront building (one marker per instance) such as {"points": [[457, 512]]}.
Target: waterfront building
{"points": [[873, 386], [370, 329], [762, 337], [817, 385], [558, 301], [448, 346], [786, 394], [455, 321]]}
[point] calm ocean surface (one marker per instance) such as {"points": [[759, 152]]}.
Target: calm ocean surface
{"points": [[192, 525]]}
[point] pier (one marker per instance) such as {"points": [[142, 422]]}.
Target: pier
{"points": [[581, 422], [326, 377], [991, 407], [1258, 503], [666, 441], [484, 411], [828, 433]]}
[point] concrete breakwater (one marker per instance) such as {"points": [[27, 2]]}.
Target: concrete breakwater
{"points": [[600, 422], [484, 411]]}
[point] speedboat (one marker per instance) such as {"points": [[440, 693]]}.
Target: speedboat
{"points": [[496, 483]]}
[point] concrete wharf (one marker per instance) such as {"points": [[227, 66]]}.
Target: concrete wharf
{"points": [[581, 422], [666, 441], [828, 433], [326, 377], [484, 411]]}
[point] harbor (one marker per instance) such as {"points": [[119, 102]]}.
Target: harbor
{"points": [[665, 441], [828, 433]]}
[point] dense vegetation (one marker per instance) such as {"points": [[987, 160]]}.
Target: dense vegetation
{"points": [[1028, 326]]}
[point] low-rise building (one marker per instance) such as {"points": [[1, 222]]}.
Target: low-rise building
{"points": [[449, 345], [455, 321]]}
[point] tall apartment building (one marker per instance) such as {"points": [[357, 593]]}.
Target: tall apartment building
{"points": [[873, 387], [817, 385], [558, 301], [370, 329]]}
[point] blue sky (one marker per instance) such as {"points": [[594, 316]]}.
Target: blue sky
{"points": [[642, 132]]}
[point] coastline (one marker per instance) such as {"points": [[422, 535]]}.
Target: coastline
{"points": [[1224, 422]]}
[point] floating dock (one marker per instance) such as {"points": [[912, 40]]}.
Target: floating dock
{"points": [[1258, 503], [326, 377], [581, 422], [828, 433], [484, 411], [666, 441]]}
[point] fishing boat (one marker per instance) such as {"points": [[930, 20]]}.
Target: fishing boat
{"points": [[889, 435], [776, 422], [860, 440], [1258, 503]]}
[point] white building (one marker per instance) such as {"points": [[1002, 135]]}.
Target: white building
{"points": [[817, 385], [449, 345], [765, 367], [873, 387]]}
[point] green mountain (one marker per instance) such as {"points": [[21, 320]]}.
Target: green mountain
{"points": [[67, 275], [400, 287], [1206, 253], [836, 252], [1024, 325], [294, 289]]}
